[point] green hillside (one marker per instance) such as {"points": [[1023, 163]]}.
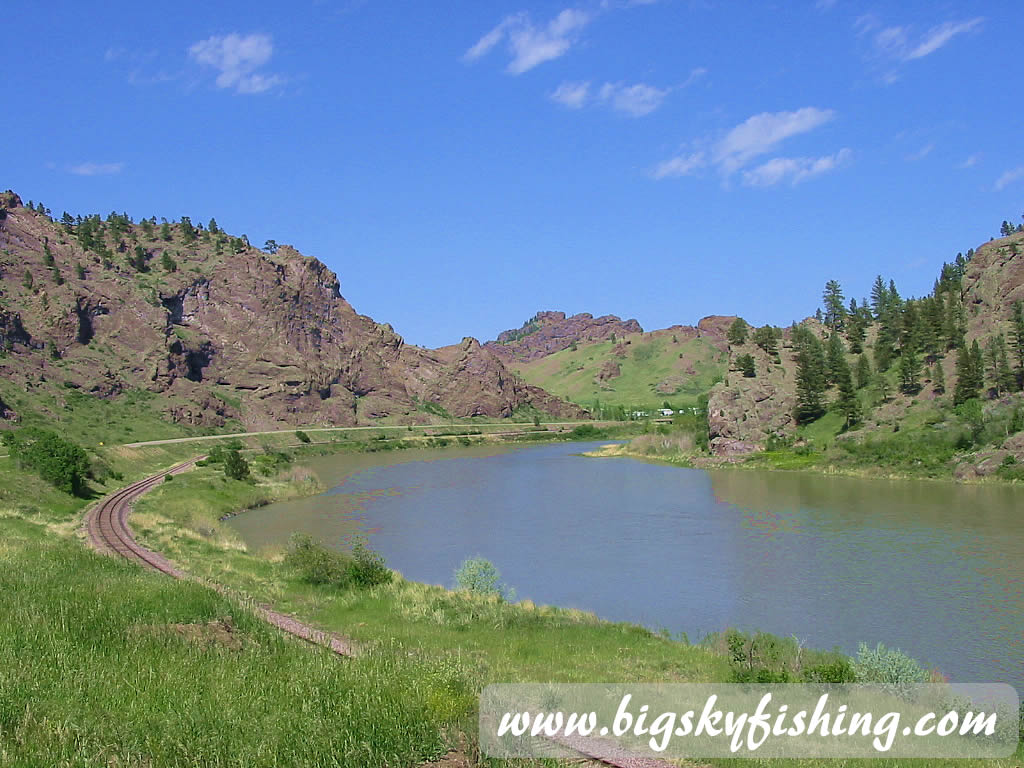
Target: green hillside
{"points": [[654, 367]]}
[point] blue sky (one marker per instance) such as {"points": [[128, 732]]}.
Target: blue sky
{"points": [[463, 165]]}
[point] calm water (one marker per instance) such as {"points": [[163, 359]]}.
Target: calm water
{"points": [[933, 568]]}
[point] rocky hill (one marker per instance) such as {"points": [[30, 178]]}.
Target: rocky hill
{"points": [[220, 331], [744, 412], [548, 332], [615, 362]]}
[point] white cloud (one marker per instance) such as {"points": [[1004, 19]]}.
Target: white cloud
{"points": [[895, 43], [571, 95], [762, 133], [936, 37], [695, 74], [96, 169], [634, 100], [681, 165], [922, 153], [825, 5], [970, 162], [758, 135], [529, 44], [1009, 177], [236, 58], [795, 169]]}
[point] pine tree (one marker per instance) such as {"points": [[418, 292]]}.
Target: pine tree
{"points": [[847, 402], [835, 360], [767, 339], [810, 380], [878, 297], [737, 333], [910, 372], [863, 371], [188, 232], [967, 387], [212, 227], [835, 312], [1017, 340], [165, 231], [977, 366], [745, 364], [939, 379]]}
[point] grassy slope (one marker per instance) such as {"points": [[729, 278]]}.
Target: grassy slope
{"points": [[651, 358]]}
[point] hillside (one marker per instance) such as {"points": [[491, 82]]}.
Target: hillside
{"points": [[616, 363], [910, 396], [178, 327]]}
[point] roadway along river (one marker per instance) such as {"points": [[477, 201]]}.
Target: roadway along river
{"points": [[932, 568]]}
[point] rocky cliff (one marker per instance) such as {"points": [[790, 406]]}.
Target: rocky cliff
{"points": [[549, 332], [221, 330]]}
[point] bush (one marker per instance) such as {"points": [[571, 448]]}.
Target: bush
{"points": [[235, 466], [480, 576], [59, 462], [302, 436], [889, 666], [367, 568], [316, 563], [586, 432]]}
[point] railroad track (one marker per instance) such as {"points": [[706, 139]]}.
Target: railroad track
{"points": [[107, 529]]}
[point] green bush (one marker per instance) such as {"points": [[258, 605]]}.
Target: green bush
{"points": [[235, 467], [889, 666], [481, 577], [586, 432], [302, 436], [317, 564], [59, 462]]}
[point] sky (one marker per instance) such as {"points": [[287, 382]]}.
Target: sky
{"points": [[463, 165]]}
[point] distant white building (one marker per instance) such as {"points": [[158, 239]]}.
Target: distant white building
{"points": [[666, 411]]}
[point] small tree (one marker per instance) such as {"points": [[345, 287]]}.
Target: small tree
{"points": [[737, 333], [939, 379], [863, 372], [27, 281], [235, 466], [302, 436], [766, 338], [169, 264], [745, 363], [79, 271], [480, 576], [271, 246], [165, 231], [910, 372]]}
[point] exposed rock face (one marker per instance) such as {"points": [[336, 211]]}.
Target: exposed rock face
{"points": [[549, 332], [610, 370], [267, 339]]}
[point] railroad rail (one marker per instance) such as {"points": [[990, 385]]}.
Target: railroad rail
{"points": [[106, 527]]}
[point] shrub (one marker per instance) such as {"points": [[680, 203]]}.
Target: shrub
{"points": [[480, 576], [367, 568], [585, 432], [235, 467], [59, 462], [317, 564], [889, 666], [302, 436]]}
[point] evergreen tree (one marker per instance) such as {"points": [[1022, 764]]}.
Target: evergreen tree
{"points": [[165, 231], [188, 232], [79, 271], [767, 339], [737, 333], [878, 297], [147, 228], [810, 380], [27, 280], [169, 264], [212, 227], [745, 363], [977, 365], [910, 372], [847, 402], [1017, 340], [863, 371], [835, 360], [967, 386], [939, 379], [835, 312]]}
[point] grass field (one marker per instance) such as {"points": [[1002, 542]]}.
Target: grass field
{"points": [[686, 369]]}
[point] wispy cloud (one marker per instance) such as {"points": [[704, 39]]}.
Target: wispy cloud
{"points": [[96, 169], [761, 133], [921, 153], [825, 5], [794, 169], [758, 135], [895, 45], [571, 95], [970, 162], [695, 74], [531, 44], [1012, 175], [237, 59]]}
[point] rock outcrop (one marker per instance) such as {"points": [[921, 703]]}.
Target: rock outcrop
{"points": [[549, 332], [226, 332]]}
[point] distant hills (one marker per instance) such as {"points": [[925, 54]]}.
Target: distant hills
{"points": [[216, 333]]}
